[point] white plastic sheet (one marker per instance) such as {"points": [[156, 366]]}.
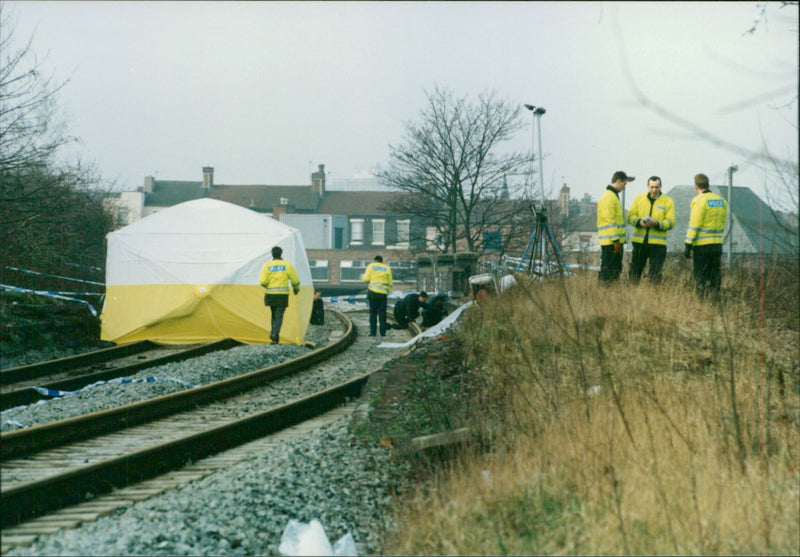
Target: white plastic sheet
{"points": [[436, 330], [300, 538]]}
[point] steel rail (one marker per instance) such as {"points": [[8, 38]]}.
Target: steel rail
{"points": [[13, 375], [18, 396], [31, 499], [24, 442]]}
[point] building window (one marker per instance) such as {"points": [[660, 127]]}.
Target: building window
{"points": [[378, 235], [352, 270], [403, 231], [404, 271], [356, 232], [319, 270]]}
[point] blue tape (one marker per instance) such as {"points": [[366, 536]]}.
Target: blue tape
{"points": [[56, 394], [9, 288], [80, 266], [122, 380], [54, 276], [67, 293], [52, 392], [64, 394], [345, 299]]}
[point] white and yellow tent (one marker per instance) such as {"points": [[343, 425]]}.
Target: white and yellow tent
{"points": [[189, 274]]}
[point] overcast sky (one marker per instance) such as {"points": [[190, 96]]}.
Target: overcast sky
{"points": [[266, 91]]}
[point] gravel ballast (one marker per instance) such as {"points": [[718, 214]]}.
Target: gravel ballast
{"points": [[328, 474], [160, 380], [341, 479]]}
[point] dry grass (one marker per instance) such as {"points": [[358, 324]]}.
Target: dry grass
{"points": [[627, 420]]}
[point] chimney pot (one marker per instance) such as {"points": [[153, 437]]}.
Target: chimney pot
{"points": [[208, 177]]}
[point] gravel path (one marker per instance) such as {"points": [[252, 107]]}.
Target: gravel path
{"points": [[342, 480]]}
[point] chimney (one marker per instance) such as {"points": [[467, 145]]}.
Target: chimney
{"points": [[318, 181], [208, 177], [149, 181]]}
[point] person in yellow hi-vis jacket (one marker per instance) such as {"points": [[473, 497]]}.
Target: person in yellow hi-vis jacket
{"points": [[275, 276], [611, 228], [704, 236], [652, 213], [378, 276]]}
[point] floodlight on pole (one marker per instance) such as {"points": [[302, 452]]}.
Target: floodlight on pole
{"points": [[537, 112]]}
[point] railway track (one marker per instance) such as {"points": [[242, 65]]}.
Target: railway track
{"points": [[39, 477], [27, 384]]}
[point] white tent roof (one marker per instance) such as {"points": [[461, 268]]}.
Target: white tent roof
{"points": [[204, 241]]}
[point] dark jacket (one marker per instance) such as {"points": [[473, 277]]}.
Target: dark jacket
{"points": [[318, 313], [435, 311], [407, 309]]}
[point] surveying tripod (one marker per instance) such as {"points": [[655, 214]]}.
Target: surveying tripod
{"points": [[536, 250]]}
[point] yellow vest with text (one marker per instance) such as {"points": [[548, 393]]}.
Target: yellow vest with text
{"points": [[610, 224], [662, 209], [275, 276], [707, 219], [379, 277]]}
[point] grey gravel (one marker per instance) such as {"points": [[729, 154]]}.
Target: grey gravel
{"points": [[328, 474], [344, 481], [171, 377]]}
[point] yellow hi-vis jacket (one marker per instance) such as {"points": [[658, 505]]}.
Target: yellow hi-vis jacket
{"points": [[662, 209], [275, 276], [707, 219], [379, 277], [610, 224]]}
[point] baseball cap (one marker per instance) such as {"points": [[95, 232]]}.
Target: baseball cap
{"points": [[620, 175]]}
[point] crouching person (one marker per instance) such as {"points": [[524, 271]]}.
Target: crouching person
{"points": [[407, 309], [435, 311]]}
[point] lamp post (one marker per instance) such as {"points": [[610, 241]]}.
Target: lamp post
{"points": [[536, 112], [731, 169]]}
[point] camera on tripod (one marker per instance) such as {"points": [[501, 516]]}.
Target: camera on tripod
{"points": [[539, 209], [542, 255]]}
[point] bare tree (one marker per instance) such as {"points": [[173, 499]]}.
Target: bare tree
{"points": [[30, 132], [452, 165], [49, 212]]}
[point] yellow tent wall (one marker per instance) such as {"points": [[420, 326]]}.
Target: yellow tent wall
{"points": [[189, 274]]}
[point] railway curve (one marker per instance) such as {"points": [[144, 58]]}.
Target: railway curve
{"points": [[31, 497]]}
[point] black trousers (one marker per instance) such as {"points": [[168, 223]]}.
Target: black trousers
{"points": [[377, 312], [610, 264], [707, 269], [277, 322], [642, 253], [400, 316]]}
